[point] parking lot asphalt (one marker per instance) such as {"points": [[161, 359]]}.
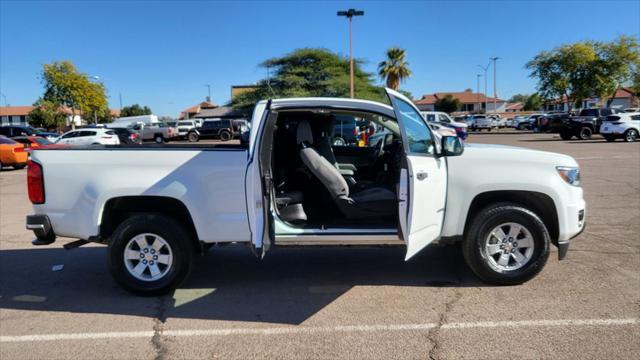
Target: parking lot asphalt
{"points": [[364, 303]]}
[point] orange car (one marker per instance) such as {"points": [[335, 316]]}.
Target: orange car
{"points": [[35, 142], [12, 153]]}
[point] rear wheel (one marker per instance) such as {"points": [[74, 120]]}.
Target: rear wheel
{"points": [[506, 244], [159, 139], [150, 254], [631, 135], [193, 137], [585, 133], [225, 136]]}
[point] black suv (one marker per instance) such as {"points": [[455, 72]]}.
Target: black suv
{"points": [[213, 129], [585, 124]]}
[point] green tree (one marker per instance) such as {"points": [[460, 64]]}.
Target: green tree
{"points": [[448, 104], [519, 98], [585, 69], [395, 69], [64, 85], [309, 72], [135, 110], [534, 102], [617, 62], [47, 115]]}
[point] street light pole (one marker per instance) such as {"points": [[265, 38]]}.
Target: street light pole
{"points": [[478, 76], [349, 14], [495, 92], [209, 87], [485, 68]]}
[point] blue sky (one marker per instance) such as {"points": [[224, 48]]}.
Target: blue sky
{"points": [[162, 53]]}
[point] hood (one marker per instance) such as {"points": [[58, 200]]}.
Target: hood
{"points": [[506, 154]]}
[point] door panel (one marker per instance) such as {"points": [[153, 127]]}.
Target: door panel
{"points": [[423, 183]]}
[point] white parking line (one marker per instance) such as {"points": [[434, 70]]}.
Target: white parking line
{"points": [[320, 329]]}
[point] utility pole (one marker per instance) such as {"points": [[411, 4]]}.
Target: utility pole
{"points": [[120, 96], [349, 14], [209, 87], [485, 68], [478, 76], [495, 91]]}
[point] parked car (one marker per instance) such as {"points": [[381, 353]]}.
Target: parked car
{"points": [[509, 123], [528, 122], [11, 131], [127, 136], [517, 120], [184, 126], [347, 130], [158, 133], [586, 123], [444, 119], [35, 142], [621, 126], [12, 153], [89, 137], [213, 129], [479, 123], [506, 206]]}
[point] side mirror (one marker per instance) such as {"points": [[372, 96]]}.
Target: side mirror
{"points": [[452, 146], [244, 138]]}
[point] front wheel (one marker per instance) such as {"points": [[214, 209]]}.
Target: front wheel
{"points": [[150, 254], [158, 139], [225, 136], [565, 135], [631, 135], [506, 244]]}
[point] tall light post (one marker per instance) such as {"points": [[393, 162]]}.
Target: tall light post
{"points": [[495, 91], [485, 68], [95, 115], [209, 87], [478, 76], [349, 14]]}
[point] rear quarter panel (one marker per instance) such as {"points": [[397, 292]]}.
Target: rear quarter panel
{"points": [[210, 183]]}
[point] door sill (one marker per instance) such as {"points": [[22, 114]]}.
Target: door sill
{"points": [[339, 239]]}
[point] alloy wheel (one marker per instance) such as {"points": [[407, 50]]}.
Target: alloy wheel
{"points": [[509, 247], [148, 257]]}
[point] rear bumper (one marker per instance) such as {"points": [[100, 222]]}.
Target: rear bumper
{"points": [[41, 227]]}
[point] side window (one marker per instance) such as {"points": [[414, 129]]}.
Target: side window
{"points": [[443, 118], [635, 117], [69, 135], [431, 117], [419, 138]]}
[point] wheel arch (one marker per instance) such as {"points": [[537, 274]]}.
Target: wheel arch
{"points": [[117, 209], [541, 204]]}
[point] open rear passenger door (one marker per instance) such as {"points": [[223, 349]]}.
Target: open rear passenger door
{"points": [[423, 179]]}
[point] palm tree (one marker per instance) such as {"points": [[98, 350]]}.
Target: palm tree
{"points": [[395, 69]]}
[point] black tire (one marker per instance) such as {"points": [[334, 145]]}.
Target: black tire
{"points": [[585, 133], [193, 137], [338, 141], [19, 167], [565, 135], [485, 222], [609, 138], [520, 127], [173, 233], [225, 135], [631, 135], [158, 139]]}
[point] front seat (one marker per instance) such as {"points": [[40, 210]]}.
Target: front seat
{"points": [[373, 202]]}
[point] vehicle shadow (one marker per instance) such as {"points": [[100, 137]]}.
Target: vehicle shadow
{"points": [[288, 286]]}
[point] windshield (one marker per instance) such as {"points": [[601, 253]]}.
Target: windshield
{"points": [[589, 112], [42, 141]]}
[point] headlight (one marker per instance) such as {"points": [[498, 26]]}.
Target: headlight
{"points": [[569, 174]]}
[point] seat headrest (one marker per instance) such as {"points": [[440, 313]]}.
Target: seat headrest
{"points": [[304, 133]]}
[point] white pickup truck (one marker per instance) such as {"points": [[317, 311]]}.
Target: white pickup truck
{"points": [[157, 206]]}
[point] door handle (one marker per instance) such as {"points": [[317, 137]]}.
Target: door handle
{"points": [[422, 175]]}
